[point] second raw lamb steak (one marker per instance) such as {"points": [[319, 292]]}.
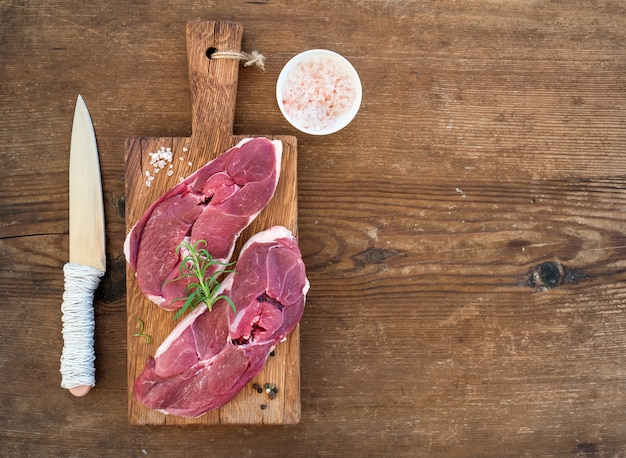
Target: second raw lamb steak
{"points": [[211, 354]]}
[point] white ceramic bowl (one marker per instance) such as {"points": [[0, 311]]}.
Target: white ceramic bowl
{"points": [[319, 92]]}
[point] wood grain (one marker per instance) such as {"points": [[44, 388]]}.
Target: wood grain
{"points": [[213, 86], [464, 236]]}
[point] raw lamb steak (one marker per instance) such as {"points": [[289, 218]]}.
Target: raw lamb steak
{"points": [[214, 204], [211, 355]]}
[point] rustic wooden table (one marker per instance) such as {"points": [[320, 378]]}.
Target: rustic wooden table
{"points": [[465, 236]]}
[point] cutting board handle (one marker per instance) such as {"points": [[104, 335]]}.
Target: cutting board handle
{"points": [[213, 82]]}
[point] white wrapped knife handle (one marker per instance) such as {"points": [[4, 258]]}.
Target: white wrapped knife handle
{"points": [[78, 357]]}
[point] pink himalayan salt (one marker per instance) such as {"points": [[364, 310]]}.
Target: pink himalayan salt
{"points": [[317, 92]]}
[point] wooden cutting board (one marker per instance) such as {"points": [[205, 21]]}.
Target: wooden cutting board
{"points": [[213, 90]]}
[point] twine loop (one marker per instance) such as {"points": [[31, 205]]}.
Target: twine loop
{"points": [[254, 58]]}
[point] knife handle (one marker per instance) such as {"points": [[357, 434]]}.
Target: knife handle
{"points": [[77, 359]]}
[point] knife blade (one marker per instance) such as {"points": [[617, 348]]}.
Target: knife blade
{"points": [[87, 257]]}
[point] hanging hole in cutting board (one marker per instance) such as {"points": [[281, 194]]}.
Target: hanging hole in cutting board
{"points": [[210, 52]]}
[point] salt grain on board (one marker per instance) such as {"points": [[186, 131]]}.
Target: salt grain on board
{"points": [[160, 160]]}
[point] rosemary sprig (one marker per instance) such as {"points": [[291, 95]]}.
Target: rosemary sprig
{"points": [[142, 325], [205, 288]]}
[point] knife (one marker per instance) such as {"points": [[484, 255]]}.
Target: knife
{"points": [[87, 260]]}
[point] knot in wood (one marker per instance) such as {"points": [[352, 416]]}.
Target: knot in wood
{"points": [[379, 255]]}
